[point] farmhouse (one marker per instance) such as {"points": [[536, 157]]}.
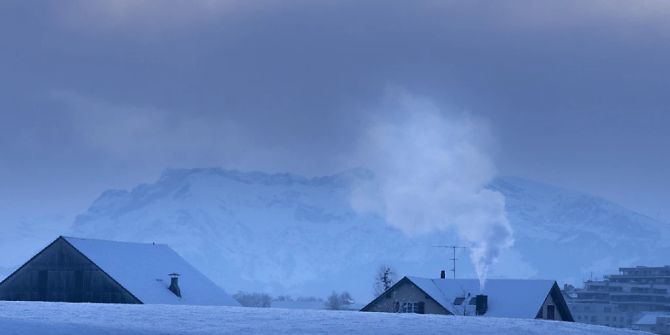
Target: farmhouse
{"points": [[87, 270], [506, 298]]}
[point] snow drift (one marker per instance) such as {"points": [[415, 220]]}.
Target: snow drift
{"points": [[75, 319]]}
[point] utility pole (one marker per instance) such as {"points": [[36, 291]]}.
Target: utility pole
{"points": [[453, 258]]}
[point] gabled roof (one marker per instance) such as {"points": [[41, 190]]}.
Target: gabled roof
{"points": [[507, 298], [143, 268]]}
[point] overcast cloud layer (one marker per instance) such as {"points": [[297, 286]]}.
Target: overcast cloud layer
{"points": [[106, 94]]}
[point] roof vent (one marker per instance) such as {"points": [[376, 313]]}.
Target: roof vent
{"points": [[174, 284]]}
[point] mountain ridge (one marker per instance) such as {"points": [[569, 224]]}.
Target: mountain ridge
{"points": [[285, 233]]}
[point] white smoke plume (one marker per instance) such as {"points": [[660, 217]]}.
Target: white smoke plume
{"points": [[431, 173]]}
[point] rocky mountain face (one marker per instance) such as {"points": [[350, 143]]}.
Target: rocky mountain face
{"points": [[286, 234]]}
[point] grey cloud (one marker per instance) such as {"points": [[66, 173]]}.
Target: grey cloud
{"points": [[575, 91]]}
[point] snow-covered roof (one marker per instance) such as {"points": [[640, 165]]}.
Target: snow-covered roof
{"points": [[508, 298], [143, 268]]}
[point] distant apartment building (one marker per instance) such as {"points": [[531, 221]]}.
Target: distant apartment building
{"points": [[620, 300]]}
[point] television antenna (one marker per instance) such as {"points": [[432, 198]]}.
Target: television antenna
{"points": [[453, 258]]}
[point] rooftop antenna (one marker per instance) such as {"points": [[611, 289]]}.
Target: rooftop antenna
{"points": [[453, 258]]}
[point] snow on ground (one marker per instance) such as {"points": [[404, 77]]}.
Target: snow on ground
{"points": [[311, 304], [38, 318]]}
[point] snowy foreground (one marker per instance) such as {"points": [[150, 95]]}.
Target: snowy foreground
{"points": [[38, 318]]}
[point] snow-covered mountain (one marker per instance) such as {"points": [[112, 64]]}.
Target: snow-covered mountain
{"points": [[570, 236], [282, 233]]}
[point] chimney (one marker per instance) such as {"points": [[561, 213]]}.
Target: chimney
{"points": [[482, 304], [174, 284], [443, 274]]}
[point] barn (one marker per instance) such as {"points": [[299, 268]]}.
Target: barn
{"points": [[505, 298], [99, 271]]}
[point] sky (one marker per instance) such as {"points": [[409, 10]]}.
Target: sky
{"points": [[107, 94]]}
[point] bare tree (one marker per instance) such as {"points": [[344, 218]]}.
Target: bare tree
{"points": [[253, 299], [384, 279], [337, 301], [346, 299]]}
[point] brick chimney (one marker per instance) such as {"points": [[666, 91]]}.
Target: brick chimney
{"points": [[174, 284]]}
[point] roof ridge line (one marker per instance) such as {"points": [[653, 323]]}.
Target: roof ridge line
{"points": [[115, 241]]}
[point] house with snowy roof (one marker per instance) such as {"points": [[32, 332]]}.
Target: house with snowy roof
{"points": [[99, 271], [504, 298]]}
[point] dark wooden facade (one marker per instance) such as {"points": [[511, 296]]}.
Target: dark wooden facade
{"points": [[61, 273]]}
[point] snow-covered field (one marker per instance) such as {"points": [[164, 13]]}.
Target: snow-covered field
{"points": [[37, 318]]}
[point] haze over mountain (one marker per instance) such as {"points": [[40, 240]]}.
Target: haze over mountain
{"points": [[287, 234]]}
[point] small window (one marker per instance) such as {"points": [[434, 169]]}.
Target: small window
{"points": [[407, 307], [78, 280], [43, 284], [412, 307], [551, 310], [459, 301]]}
